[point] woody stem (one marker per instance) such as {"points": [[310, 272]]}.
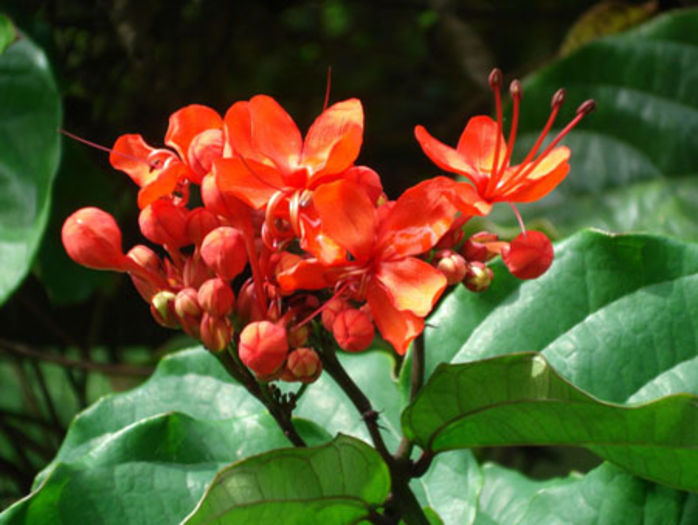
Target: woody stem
{"points": [[402, 500]]}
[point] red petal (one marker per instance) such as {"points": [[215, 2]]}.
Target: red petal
{"points": [[250, 181], [130, 154], [308, 274], [367, 179], [347, 216], [543, 179], [316, 242], [274, 134], [477, 144], [334, 140], [412, 284], [417, 221], [445, 157], [396, 327], [187, 123], [162, 185]]}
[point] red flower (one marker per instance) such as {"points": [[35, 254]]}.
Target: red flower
{"points": [[482, 154], [400, 289]]}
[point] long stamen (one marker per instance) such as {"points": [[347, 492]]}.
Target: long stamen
{"points": [[104, 148], [516, 92], [495, 81], [556, 103], [584, 109], [327, 88], [319, 310]]}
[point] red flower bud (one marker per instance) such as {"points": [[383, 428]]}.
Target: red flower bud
{"points": [[216, 297], [223, 250], [529, 255], [298, 336], [203, 150], [216, 332], [332, 308], [164, 223], [478, 277], [353, 330], [304, 364], [247, 307], [200, 222], [195, 271], [263, 347], [93, 239], [162, 309], [452, 265], [482, 247], [150, 279], [189, 311]]}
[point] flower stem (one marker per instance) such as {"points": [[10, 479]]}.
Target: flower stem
{"points": [[402, 501]]}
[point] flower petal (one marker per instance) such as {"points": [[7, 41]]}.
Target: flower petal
{"points": [[412, 284], [347, 216], [250, 181], [274, 134], [307, 274], [162, 185], [130, 155], [477, 144], [315, 241], [543, 179], [445, 157], [334, 140], [397, 327], [417, 220], [187, 123]]}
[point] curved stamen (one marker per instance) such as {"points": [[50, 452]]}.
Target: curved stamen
{"points": [[518, 218], [516, 92], [495, 81]]}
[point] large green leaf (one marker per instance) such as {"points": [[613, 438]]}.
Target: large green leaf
{"points": [[634, 164], [519, 399], [30, 114], [337, 483]]}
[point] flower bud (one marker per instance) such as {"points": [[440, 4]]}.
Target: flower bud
{"points": [[452, 265], [164, 223], [162, 309], [353, 330], [93, 239], [332, 308], [195, 271], [203, 150], [200, 222], [478, 277], [247, 307], [216, 332], [529, 255], [482, 247], [304, 364], [216, 297], [263, 347], [189, 311], [223, 250], [298, 336], [151, 279]]}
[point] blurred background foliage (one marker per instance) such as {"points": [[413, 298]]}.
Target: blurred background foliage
{"points": [[70, 335]]}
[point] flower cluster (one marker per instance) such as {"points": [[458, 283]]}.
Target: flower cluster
{"points": [[293, 239]]}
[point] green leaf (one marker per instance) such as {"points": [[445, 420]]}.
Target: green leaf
{"points": [[611, 314], [30, 114], [8, 34], [337, 483], [155, 448], [605, 495], [525, 402], [633, 164]]}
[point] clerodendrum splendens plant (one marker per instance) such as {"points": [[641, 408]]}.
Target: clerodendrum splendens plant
{"points": [[296, 252]]}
